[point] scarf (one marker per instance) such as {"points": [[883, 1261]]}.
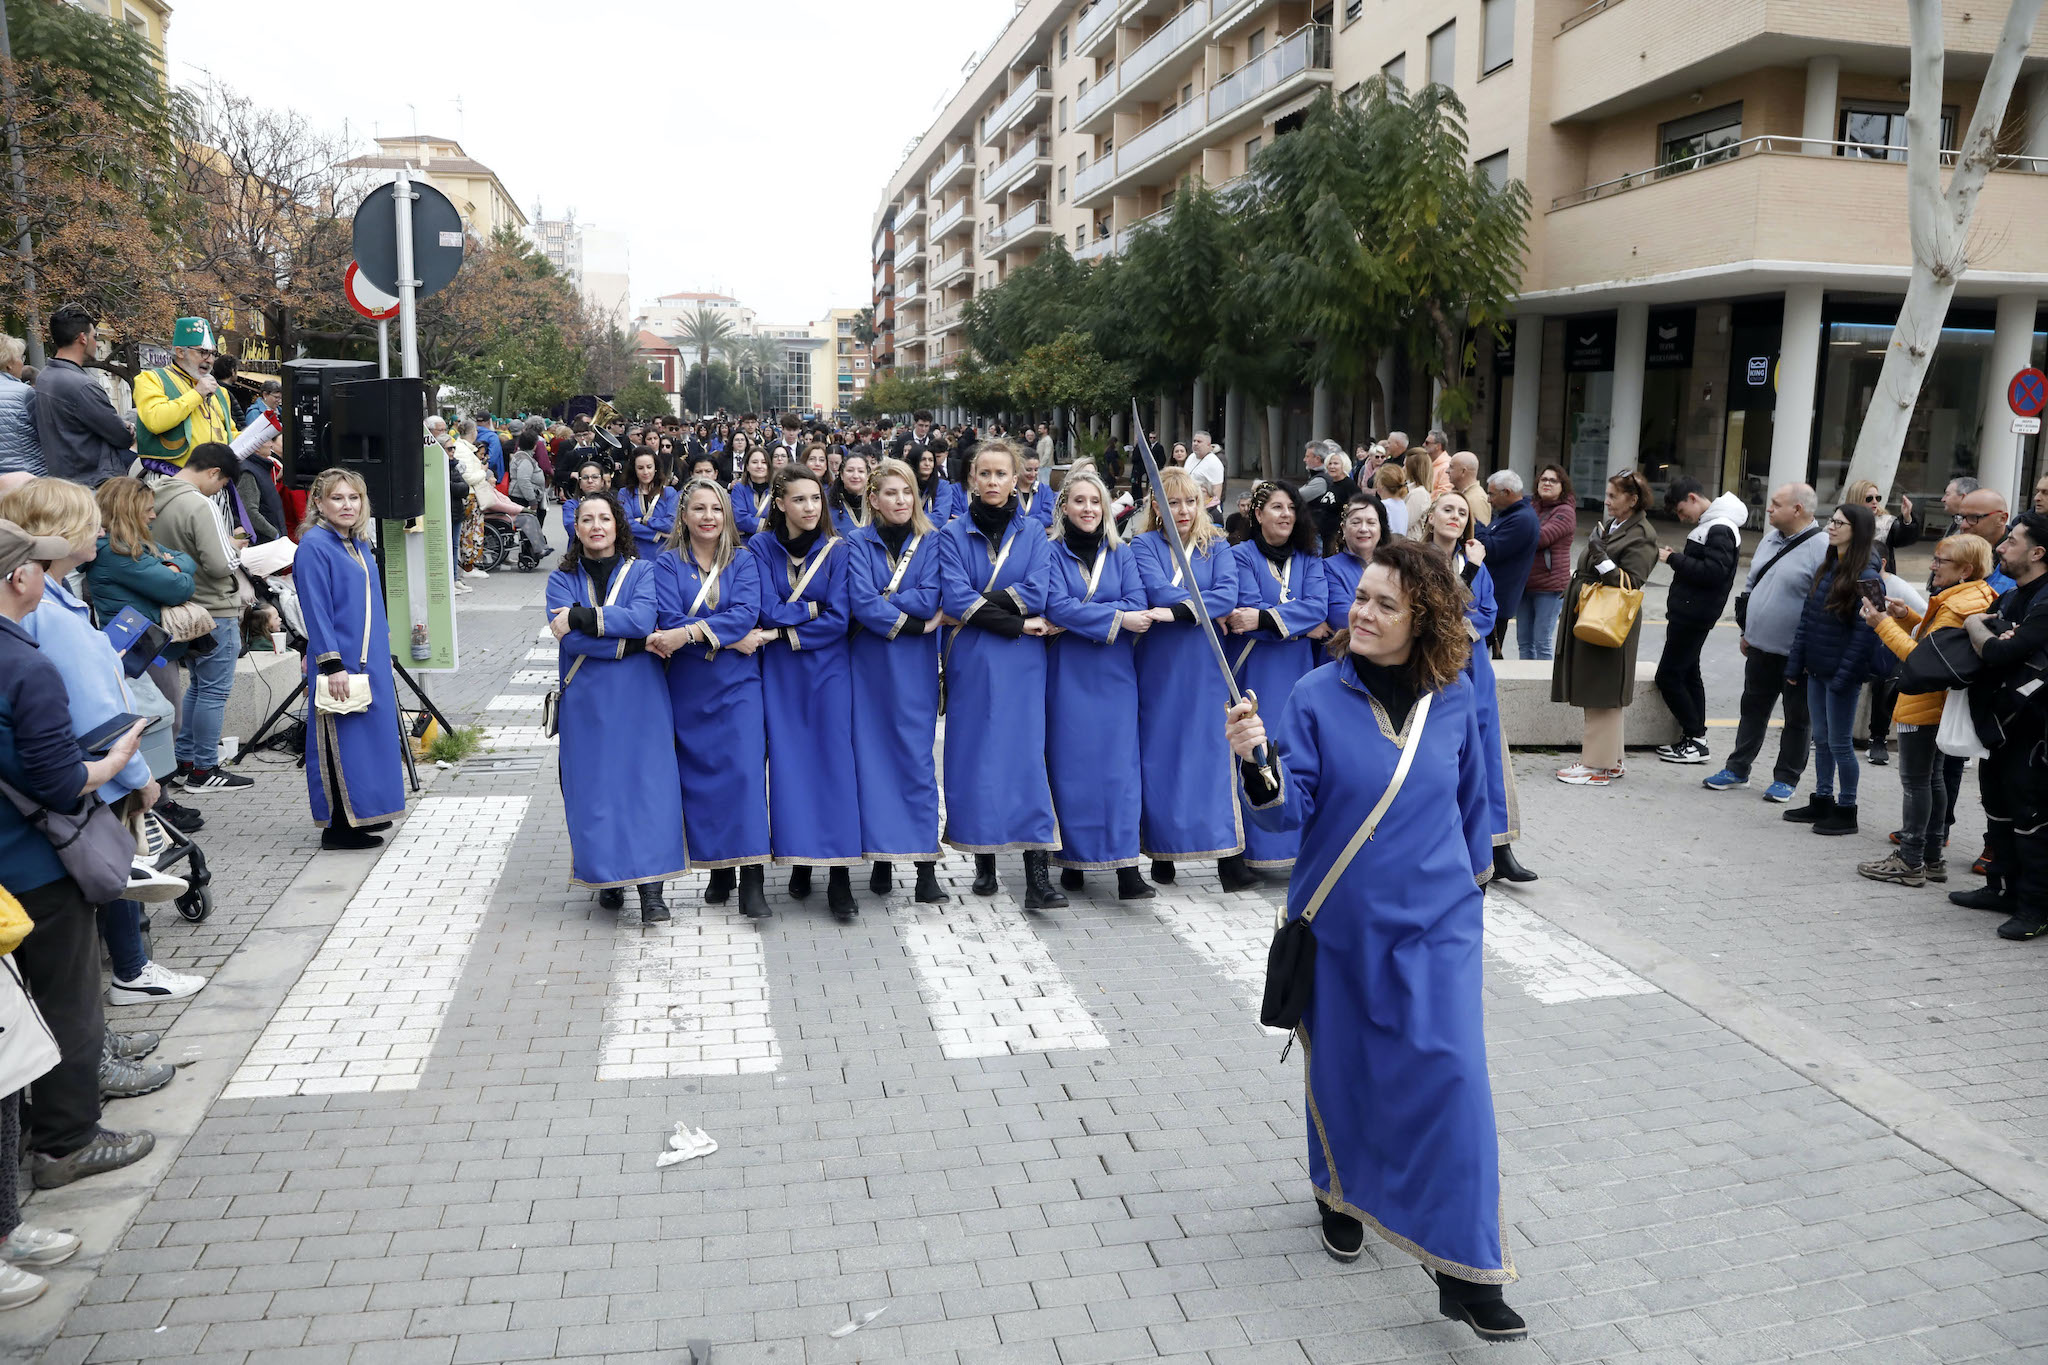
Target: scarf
{"points": [[894, 537], [601, 571], [1278, 554], [992, 521], [1085, 544], [800, 547]]}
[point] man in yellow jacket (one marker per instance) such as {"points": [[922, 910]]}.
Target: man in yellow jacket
{"points": [[181, 406]]}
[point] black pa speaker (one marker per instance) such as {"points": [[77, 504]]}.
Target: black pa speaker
{"points": [[309, 411], [378, 431]]}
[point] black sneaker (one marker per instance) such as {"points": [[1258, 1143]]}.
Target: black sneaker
{"points": [[1879, 753], [184, 819], [1343, 1236], [178, 776], [216, 780], [108, 1151], [2024, 926], [1685, 751]]}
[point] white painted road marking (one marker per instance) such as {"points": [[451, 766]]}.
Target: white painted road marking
{"points": [[514, 701], [365, 1013], [990, 986], [688, 999], [1553, 967], [518, 737], [534, 677]]}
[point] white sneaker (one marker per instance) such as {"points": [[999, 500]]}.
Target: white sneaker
{"points": [[18, 1287], [154, 983], [150, 886], [474, 573], [460, 588], [31, 1245]]}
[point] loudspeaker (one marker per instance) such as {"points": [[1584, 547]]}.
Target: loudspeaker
{"points": [[378, 431], [308, 411]]}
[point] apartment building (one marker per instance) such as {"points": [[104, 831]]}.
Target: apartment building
{"points": [[474, 188], [1717, 246]]}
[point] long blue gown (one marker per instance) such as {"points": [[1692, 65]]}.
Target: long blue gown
{"points": [[1341, 572], [998, 798], [337, 582], [1271, 663], [714, 697], [845, 523], [943, 500], [749, 507], [1400, 1111], [620, 793], [807, 687], [1091, 704], [651, 520], [1037, 503], [895, 665], [1481, 612], [1190, 797]]}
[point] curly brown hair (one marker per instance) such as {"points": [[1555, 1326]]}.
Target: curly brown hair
{"points": [[1436, 600]]}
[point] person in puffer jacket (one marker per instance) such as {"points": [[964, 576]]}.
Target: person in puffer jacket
{"points": [[1833, 652], [20, 451], [1702, 572]]}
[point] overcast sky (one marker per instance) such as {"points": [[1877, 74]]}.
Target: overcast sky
{"points": [[665, 119]]}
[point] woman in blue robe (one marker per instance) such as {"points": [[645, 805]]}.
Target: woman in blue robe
{"points": [[751, 494], [849, 495], [892, 580], [807, 687], [355, 771], [590, 479], [1401, 1134], [941, 498], [993, 567], [1449, 523], [1190, 805], [620, 794], [1035, 497], [1284, 599], [1361, 532], [650, 506], [707, 618], [1091, 689]]}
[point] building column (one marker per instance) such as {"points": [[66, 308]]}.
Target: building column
{"points": [[1385, 374], [1276, 430], [1168, 426], [1201, 415], [1528, 397], [2037, 119], [1823, 86], [1233, 429], [1798, 378], [1320, 418], [2012, 349], [1625, 418]]}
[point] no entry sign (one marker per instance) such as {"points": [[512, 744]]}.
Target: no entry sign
{"points": [[372, 302], [2028, 393]]}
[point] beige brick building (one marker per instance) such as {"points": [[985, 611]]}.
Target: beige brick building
{"points": [[1717, 245]]}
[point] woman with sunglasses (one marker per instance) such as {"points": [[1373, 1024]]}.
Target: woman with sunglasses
{"points": [[1892, 533]]}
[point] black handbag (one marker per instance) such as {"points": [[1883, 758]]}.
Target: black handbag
{"points": [[1942, 660], [1291, 960]]}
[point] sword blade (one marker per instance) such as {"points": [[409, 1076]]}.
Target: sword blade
{"points": [[1164, 516]]}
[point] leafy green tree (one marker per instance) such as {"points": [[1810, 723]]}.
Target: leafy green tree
{"points": [[981, 388], [1068, 372], [758, 360], [640, 397], [705, 331], [710, 387], [1172, 292], [1035, 304]]}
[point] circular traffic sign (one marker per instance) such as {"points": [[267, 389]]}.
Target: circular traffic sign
{"points": [[366, 298], [436, 238], [2028, 392]]}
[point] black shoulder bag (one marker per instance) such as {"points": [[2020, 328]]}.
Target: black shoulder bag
{"points": [[1742, 598]]}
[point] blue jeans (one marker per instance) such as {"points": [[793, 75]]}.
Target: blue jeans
{"points": [[1834, 749], [121, 930], [1536, 624], [206, 699]]}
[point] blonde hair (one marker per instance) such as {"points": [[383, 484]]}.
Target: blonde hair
{"points": [[1420, 469], [729, 527], [1082, 473], [1176, 478], [1428, 535], [1392, 480], [125, 505], [323, 484], [49, 506], [1860, 490], [893, 468], [1972, 552], [11, 350], [1001, 447]]}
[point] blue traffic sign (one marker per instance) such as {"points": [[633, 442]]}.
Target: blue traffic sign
{"points": [[2028, 393]]}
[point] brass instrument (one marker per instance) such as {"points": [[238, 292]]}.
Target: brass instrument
{"points": [[605, 415]]}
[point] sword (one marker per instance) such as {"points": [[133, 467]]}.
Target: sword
{"points": [[1262, 756]]}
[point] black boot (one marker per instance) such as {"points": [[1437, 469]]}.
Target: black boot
{"points": [[719, 890], [1162, 870], [1480, 1307], [612, 898], [1039, 892], [984, 874], [839, 894], [883, 879], [753, 898], [348, 840], [1343, 1236], [1840, 820], [1132, 886], [1072, 878], [800, 881], [653, 908], [1811, 812], [1506, 869], [1236, 874]]}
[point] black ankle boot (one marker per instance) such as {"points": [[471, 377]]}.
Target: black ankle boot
{"points": [[1840, 820], [753, 895], [839, 894], [1236, 875], [1506, 869], [1039, 892], [1480, 1307], [929, 892], [1343, 1236], [984, 874], [348, 840], [883, 879], [612, 898], [719, 889], [800, 882], [1811, 812], [1162, 870], [1132, 886], [653, 907], [1072, 878]]}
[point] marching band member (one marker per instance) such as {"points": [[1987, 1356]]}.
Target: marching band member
{"points": [[590, 479], [707, 613], [650, 506], [750, 495], [806, 685], [993, 566], [1095, 598], [892, 572], [621, 796], [1034, 499]]}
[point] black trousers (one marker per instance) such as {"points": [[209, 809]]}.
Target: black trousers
{"points": [[60, 962], [2018, 825], [1763, 686], [1884, 698], [1678, 677]]}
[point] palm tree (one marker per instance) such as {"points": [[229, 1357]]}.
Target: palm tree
{"points": [[864, 327], [706, 330], [757, 360]]}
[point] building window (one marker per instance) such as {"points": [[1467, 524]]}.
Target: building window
{"points": [[1443, 55], [1496, 35], [1080, 237], [1063, 45], [657, 372], [1701, 140], [1494, 168], [1255, 46], [1062, 186], [1396, 71], [1352, 9], [1251, 149], [1063, 114], [1354, 92], [1877, 131], [1187, 92], [1081, 91]]}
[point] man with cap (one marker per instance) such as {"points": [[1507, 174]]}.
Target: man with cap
{"points": [[181, 405]]}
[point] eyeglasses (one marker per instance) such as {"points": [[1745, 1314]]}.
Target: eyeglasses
{"points": [[1874, 500], [1834, 522], [1971, 518]]}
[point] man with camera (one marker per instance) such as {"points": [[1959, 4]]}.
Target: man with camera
{"points": [[2007, 704]]}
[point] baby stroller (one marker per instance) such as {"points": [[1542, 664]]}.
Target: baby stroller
{"points": [[164, 847]]}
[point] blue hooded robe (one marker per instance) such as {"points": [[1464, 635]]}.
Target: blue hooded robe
{"points": [[1091, 706], [1190, 797], [343, 604], [714, 696], [895, 664], [807, 687], [1270, 661]]}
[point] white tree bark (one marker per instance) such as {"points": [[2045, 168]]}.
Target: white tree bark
{"points": [[1938, 223]]}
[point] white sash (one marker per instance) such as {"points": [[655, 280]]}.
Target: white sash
{"points": [[805, 580], [896, 579], [704, 589]]}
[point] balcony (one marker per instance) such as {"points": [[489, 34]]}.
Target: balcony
{"points": [[1091, 110], [952, 268], [1030, 226], [909, 332], [944, 321], [1299, 60], [1144, 158], [1093, 178], [1031, 98], [1153, 67], [910, 212], [1097, 26], [951, 219], [909, 255], [1232, 14], [1097, 249], [907, 292], [1028, 163], [953, 168]]}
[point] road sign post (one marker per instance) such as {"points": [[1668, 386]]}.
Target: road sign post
{"points": [[408, 303]]}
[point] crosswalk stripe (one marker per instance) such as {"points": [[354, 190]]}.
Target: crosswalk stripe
{"points": [[514, 701], [519, 736], [1233, 937], [542, 654], [366, 1011], [688, 999], [1551, 966], [533, 677], [990, 986]]}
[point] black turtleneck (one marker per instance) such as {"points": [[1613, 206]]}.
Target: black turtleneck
{"points": [[799, 547], [585, 618], [1279, 554], [992, 521], [895, 537], [998, 613], [760, 492], [1085, 544], [1390, 686]]}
